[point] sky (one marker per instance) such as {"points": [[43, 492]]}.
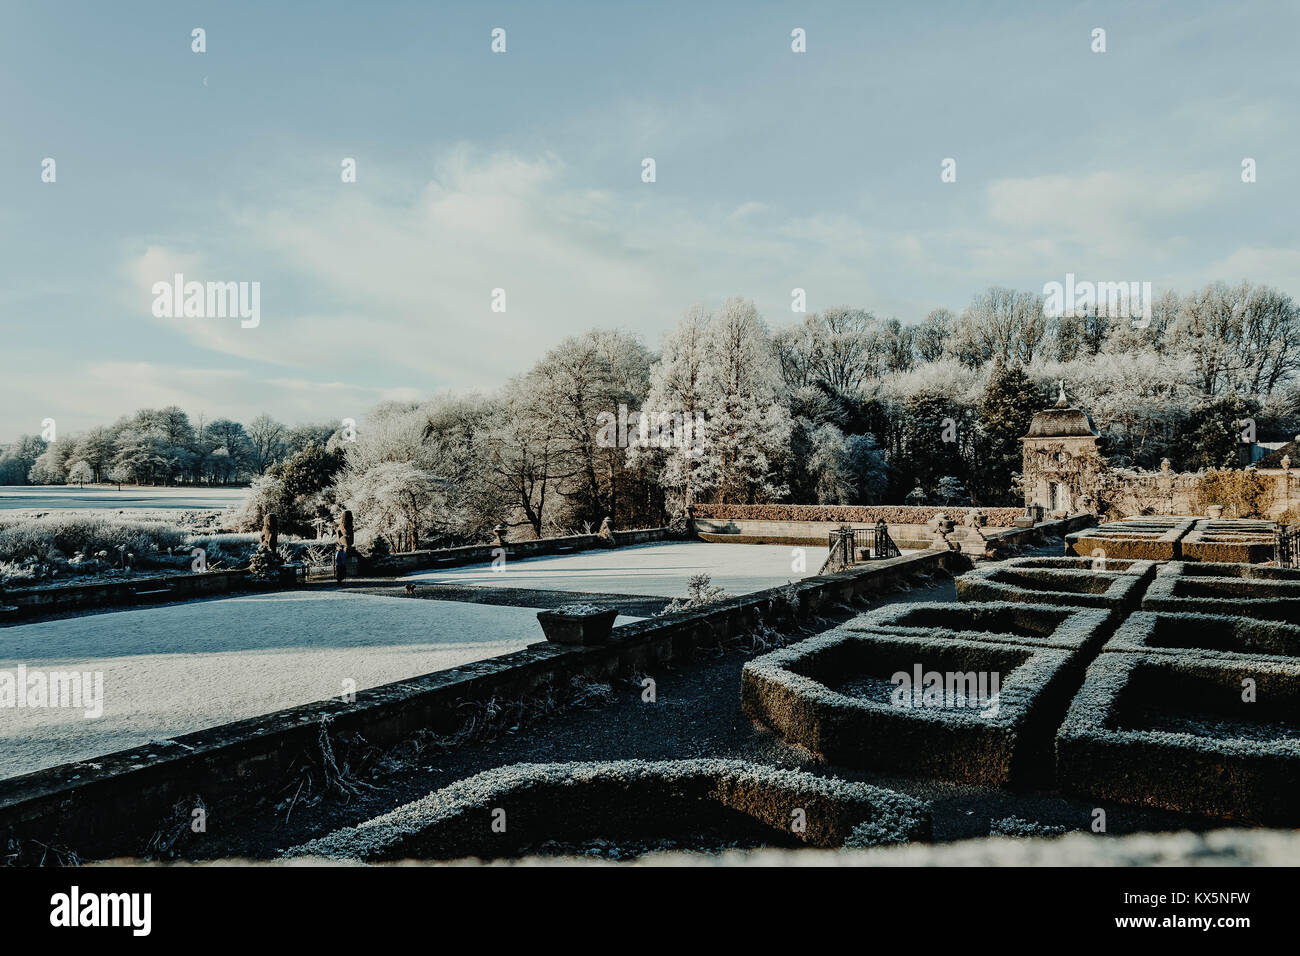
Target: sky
{"points": [[522, 171]]}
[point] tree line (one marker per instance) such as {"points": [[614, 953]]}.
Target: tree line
{"points": [[840, 407]]}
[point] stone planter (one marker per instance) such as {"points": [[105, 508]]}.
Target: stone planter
{"points": [[578, 624]]}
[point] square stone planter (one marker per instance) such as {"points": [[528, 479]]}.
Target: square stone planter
{"points": [[582, 624]]}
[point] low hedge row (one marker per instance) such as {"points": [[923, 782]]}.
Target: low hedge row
{"points": [[1208, 635], [1080, 630], [626, 800], [1023, 581], [1231, 589], [852, 514]]}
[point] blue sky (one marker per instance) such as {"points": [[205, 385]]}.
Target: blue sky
{"points": [[521, 171]]}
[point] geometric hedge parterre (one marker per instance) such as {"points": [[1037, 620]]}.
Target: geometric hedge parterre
{"points": [[1191, 704]]}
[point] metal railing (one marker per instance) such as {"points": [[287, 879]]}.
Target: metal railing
{"points": [[1286, 547], [847, 544]]}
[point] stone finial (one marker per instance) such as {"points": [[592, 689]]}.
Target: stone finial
{"points": [[271, 532], [1061, 400], [1286, 462], [606, 533], [1165, 464], [345, 536], [499, 534]]}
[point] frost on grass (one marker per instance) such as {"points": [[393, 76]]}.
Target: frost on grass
{"points": [[630, 802]]}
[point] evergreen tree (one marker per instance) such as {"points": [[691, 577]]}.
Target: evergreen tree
{"points": [[1007, 407]]}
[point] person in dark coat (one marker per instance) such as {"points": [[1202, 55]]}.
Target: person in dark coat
{"points": [[340, 564]]}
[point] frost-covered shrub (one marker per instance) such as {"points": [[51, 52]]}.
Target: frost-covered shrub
{"points": [[26, 542], [69, 534], [1021, 580], [628, 801], [1018, 827], [1209, 635], [833, 695], [264, 566], [1037, 625], [700, 590]]}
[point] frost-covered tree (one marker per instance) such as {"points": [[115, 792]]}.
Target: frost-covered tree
{"points": [[81, 472], [933, 336], [1006, 408], [678, 386], [1000, 323], [747, 425], [266, 440], [393, 499]]}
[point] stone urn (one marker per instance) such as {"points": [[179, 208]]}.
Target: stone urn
{"points": [[582, 624], [1214, 511]]}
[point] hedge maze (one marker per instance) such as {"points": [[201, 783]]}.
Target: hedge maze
{"points": [[1173, 685], [1180, 730]]}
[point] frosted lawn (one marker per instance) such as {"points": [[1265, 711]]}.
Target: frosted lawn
{"points": [[654, 570], [181, 668]]}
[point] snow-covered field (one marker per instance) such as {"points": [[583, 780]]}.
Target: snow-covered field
{"points": [[175, 669], [656, 570], [72, 498]]}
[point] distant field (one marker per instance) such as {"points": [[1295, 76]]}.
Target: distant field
{"points": [[72, 498]]}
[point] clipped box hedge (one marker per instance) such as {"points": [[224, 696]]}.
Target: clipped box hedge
{"points": [[1231, 589], [1140, 541], [1080, 630], [1250, 542], [812, 694], [852, 514], [1022, 580], [1206, 635], [629, 801], [1171, 730]]}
